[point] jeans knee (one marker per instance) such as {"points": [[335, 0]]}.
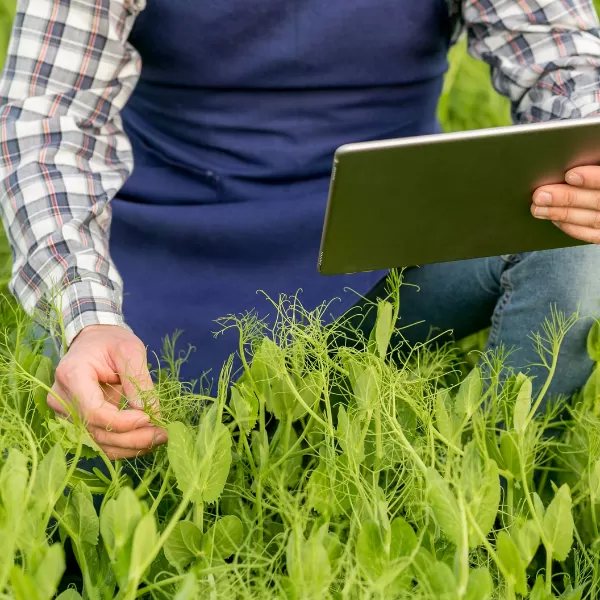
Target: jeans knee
{"points": [[568, 278]]}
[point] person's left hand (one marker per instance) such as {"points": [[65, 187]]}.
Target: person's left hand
{"points": [[573, 206]]}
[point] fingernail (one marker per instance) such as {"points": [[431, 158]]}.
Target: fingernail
{"points": [[160, 438], [541, 212], [136, 403], [543, 199], [574, 179]]}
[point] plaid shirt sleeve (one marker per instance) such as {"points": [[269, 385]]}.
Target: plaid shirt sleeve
{"points": [[63, 153], [544, 54]]}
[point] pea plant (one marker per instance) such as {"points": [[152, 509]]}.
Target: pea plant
{"points": [[329, 464]]}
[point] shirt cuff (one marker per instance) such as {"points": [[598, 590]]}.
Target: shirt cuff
{"points": [[86, 302]]}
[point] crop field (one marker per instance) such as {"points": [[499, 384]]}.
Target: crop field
{"points": [[337, 465]]}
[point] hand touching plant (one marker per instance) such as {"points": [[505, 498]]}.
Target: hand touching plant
{"points": [[573, 206], [104, 364]]}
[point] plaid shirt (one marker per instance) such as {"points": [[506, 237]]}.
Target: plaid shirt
{"points": [[64, 156]]}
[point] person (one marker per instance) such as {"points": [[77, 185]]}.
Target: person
{"points": [[232, 111]]}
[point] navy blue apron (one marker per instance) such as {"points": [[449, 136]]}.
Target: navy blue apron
{"points": [[234, 123]]}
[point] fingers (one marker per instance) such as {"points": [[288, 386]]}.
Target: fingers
{"points": [[585, 234], [144, 438], [585, 177], [80, 388], [573, 207], [104, 364], [131, 365], [566, 196], [116, 453], [112, 393], [566, 214]]}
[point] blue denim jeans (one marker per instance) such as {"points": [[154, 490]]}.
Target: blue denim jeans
{"points": [[513, 295]]}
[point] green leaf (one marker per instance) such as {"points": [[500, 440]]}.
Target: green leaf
{"points": [[480, 585], [573, 594], [354, 366], [334, 547], [69, 594], [49, 478], [595, 482], [591, 390], [366, 390], [539, 506], [145, 540], [370, 551], [469, 394], [289, 471], [119, 519], [593, 342], [481, 485], [80, 515], [183, 545], [527, 538], [404, 540], [349, 433], [13, 483], [244, 404], [224, 538], [446, 420], [509, 556], [23, 585], [188, 590], [559, 525], [522, 406], [45, 374], [384, 327], [444, 505], [441, 581], [538, 591], [282, 400], [201, 466], [310, 389], [267, 364], [308, 566], [320, 492], [509, 448], [49, 572]]}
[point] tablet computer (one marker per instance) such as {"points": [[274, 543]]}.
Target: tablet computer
{"points": [[448, 197]]}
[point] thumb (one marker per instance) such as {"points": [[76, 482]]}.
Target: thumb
{"points": [[132, 368]]}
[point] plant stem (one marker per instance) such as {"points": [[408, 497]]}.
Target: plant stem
{"points": [[490, 550], [199, 515], [161, 492], [543, 391], [510, 591], [130, 593], [548, 571], [147, 589], [510, 496], [463, 562], [545, 542], [408, 447]]}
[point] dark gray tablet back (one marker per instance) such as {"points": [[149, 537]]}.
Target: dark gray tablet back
{"points": [[448, 197]]}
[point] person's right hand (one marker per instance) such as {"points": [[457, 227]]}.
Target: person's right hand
{"points": [[104, 363]]}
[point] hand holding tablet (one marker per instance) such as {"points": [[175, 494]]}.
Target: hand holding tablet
{"points": [[447, 197]]}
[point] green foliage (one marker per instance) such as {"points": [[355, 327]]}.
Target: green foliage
{"points": [[468, 100], [363, 478]]}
